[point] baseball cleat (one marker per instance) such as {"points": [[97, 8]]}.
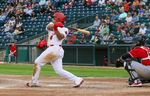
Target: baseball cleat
{"points": [[78, 83], [136, 85], [32, 85]]}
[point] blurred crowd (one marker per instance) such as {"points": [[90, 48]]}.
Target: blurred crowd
{"points": [[121, 25], [126, 22]]}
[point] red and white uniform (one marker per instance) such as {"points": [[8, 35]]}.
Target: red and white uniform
{"points": [[52, 38], [54, 55], [13, 49], [143, 68], [141, 53]]}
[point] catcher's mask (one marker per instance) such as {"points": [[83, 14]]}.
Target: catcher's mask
{"points": [[141, 42]]}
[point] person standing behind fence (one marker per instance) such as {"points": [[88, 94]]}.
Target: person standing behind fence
{"points": [[12, 52]]}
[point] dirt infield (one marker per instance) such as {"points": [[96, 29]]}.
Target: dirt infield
{"points": [[57, 86]]}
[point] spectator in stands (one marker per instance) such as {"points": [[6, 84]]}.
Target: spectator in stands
{"points": [[141, 11], [66, 6], [104, 28], [12, 22], [135, 18], [135, 3], [112, 39], [71, 3], [95, 39], [10, 2], [43, 9], [28, 10], [3, 15], [107, 19], [51, 9], [142, 30], [48, 2], [83, 39], [129, 18], [88, 3], [34, 16], [136, 28], [12, 52], [122, 15], [101, 3], [96, 22], [143, 2], [42, 2], [126, 6], [113, 18], [105, 38], [147, 10], [119, 1], [7, 27], [19, 10], [128, 38], [123, 31], [19, 29], [72, 39]]}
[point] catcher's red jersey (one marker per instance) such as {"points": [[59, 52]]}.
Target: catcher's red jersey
{"points": [[141, 53]]}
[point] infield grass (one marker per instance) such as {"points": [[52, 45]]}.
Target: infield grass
{"points": [[47, 70]]}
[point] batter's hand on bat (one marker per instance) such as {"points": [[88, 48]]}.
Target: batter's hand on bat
{"points": [[58, 24]]}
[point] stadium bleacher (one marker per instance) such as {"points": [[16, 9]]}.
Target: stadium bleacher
{"points": [[36, 27]]}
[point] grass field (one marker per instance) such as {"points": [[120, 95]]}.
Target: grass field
{"points": [[98, 81], [84, 71]]}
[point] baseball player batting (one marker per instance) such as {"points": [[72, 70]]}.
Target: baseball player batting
{"points": [[138, 70], [54, 53]]}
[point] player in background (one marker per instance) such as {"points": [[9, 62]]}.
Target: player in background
{"points": [[12, 52], [137, 63], [54, 53]]}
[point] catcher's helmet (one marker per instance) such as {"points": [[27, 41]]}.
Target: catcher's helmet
{"points": [[59, 17], [141, 41]]}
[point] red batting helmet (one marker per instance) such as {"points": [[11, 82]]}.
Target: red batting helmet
{"points": [[59, 17]]}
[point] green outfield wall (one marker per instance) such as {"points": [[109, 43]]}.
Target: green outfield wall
{"points": [[94, 55]]}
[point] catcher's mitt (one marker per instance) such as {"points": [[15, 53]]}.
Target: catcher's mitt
{"points": [[119, 63]]}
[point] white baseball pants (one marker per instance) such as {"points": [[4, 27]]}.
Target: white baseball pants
{"points": [[54, 55]]}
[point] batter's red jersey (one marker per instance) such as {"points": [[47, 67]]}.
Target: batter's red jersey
{"points": [[12, 49], [141, 53]]}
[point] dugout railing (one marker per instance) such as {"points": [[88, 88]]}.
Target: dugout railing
{"points": [[76, 54]]}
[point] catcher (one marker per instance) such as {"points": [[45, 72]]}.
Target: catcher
{"points": [[137, 63]]}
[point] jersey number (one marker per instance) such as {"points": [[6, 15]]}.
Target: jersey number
{"points": [[51, 37]]}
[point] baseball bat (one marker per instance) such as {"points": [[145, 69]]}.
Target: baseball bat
{"points": [[81, 30]]}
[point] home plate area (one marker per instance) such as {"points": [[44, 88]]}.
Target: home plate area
{"points": [[15, 85]]}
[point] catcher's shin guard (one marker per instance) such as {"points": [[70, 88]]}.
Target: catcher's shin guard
{"points": [[133, 75]]}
